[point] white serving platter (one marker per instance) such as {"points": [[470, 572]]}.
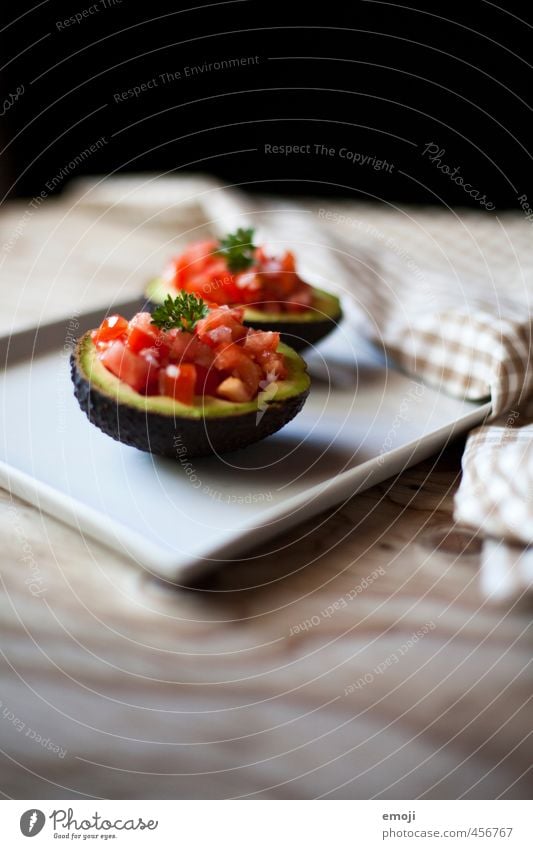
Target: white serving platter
{"points": [[362, 423]]}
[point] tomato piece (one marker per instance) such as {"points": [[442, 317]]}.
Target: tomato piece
{"points": [[219, 336], [227, 357], [274, 366], [222, 286], [248, 288], [269, 283], [138, 339], [181, 348], [221, 326], [215, 283], [207, 380], [203, 355], [259, 342], [288, 262], [275, 284], [143, 334], [154, 356], [278, 276], [301, 298], [203, 272], [193, 261], [178, 382], [187, 348], [200, 285], [131, 368], [232, 358], [112, 327]]}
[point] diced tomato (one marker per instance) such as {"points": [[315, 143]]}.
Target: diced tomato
{"points": [[248, 287], [285, 261], [131, 368], [178, 382], [271, 282], [228, 357], [232, 358], [220, 357], [202, 286], [187, 348], [181, 347], [193, 261], [258, 342], [262, 346], [143, 334], [154, 356], [214, 281], [274, 366], [222, 325], [219, 336], [275, 285], [277, 274], [207, 380], [202, 353], [301, 298], [112, 327], [221, 315], [201, 271]]}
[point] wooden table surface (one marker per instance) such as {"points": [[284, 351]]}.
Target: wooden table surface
{"points": [[359, 661]]}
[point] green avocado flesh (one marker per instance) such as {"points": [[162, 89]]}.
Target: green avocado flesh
{"points": [[160, 425], [297, 329]]}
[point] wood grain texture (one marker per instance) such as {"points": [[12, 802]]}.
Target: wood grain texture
{"points": [[357, 659]]}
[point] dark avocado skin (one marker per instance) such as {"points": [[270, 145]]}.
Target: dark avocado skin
{"points": [[297, 334], [178, 437]]}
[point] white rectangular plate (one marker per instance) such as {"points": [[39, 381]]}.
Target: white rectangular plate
{"points": [[362, 423]]}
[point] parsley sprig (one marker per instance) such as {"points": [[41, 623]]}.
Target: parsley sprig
{"points": [[183, 312], [238, 249]]}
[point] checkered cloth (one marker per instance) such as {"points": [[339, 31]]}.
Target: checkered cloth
{"points": [[447, 296], [497, 485], [496, 496]]}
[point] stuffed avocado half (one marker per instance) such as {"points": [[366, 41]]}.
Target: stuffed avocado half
{"points": [[209, 386], [235, 272]]}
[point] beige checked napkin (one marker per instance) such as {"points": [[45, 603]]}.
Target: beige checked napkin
{"points": [[447, 296], [496, 496]]}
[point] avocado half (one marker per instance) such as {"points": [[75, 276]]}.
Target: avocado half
{"points": [[299, 330], [161, 425]]}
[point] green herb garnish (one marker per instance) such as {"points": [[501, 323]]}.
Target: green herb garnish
{"points": [[183, 311], [238, 249]]}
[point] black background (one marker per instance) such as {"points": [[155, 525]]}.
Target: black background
{"points": [[380, 79]]}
